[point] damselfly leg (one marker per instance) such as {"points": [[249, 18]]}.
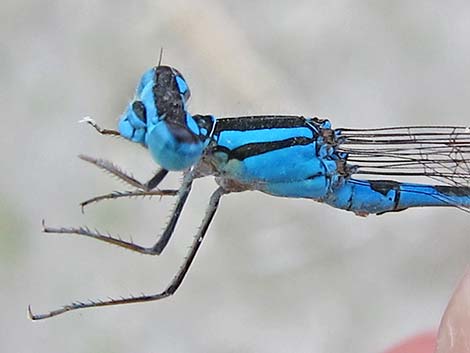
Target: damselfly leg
{"points": [[173, 285], [98, 128], [143, 189], [119, 173], [162, 241]]}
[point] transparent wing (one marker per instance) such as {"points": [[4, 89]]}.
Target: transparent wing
{"points": [[441, 153]]}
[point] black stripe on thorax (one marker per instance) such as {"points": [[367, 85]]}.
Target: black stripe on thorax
{"points": [[244, 123], [254, 149]]}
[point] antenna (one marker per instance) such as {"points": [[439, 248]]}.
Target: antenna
{"points": [[160, 57]]}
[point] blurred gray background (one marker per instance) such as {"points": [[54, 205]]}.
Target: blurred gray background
{"points": [[274, 275]]}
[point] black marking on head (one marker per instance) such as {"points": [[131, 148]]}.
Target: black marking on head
{"points": [[182, 134], [254, 149], [139, 109], [462, 191], [245, 123], [168, 100]]}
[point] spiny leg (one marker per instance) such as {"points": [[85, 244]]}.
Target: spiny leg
{"points": [[111, 168], [183, 194], [161, 243], [156, 179], [170, 289], [135, 193], [114, 170], [145, 189]]}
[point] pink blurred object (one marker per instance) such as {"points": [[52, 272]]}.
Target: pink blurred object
{"points": [[423, 343], [454, 331]]}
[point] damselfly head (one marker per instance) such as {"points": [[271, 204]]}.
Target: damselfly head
{"points": [[158, 119], [161, 94]]}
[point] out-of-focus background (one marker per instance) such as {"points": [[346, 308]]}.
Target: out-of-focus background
{"points": [[273, 275]]}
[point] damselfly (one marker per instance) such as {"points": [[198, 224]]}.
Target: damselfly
{"points": [[287, 156]]}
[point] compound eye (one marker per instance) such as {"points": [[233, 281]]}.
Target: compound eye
{"points": [[147, 77], [139, 110]]}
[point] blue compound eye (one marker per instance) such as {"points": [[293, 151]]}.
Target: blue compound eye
{"points": [[147, 77], [139, 109]]}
